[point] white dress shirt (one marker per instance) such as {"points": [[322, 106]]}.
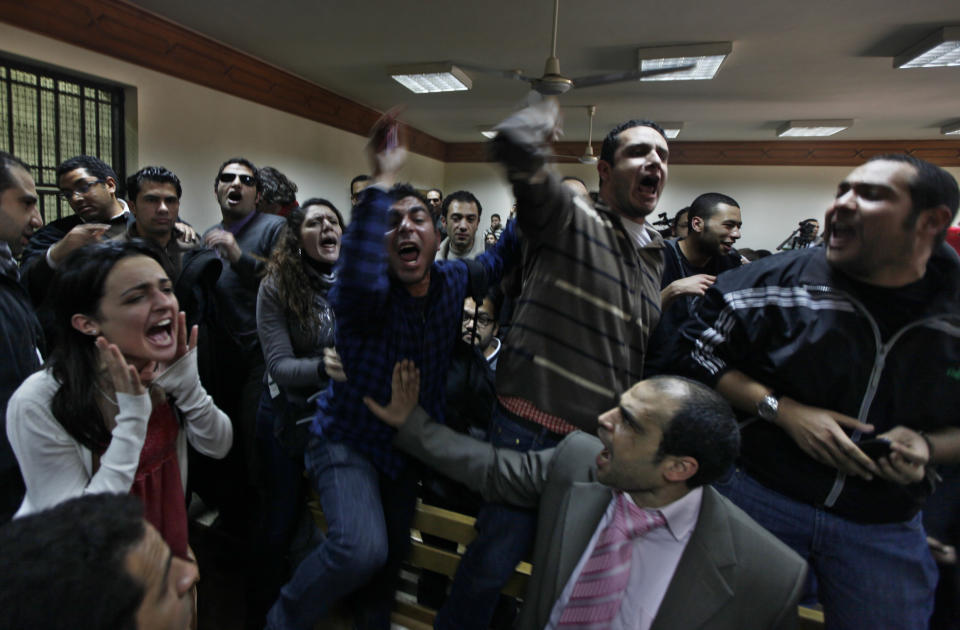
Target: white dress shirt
{"points": [[638, 232], [654, 561]]}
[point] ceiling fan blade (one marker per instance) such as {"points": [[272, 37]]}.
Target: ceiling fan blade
{"points": [[504, 74], [583, 159], [629, 75]]}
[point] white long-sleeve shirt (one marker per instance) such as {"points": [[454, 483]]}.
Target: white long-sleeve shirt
{"points": [[56, 467]]}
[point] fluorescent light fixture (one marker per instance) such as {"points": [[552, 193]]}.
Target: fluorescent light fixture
{"points": [[671, 128], [431, 77], [951, 130], [489, 133], [806, 128], [706, 57], [938, 50]]}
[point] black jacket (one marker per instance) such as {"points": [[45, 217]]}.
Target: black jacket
{"points": [[237, 287], [471, 394], [20, 341], [664, 336], [795, 324]]}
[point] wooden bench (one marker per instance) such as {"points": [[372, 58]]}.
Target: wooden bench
{"points": [[458, 528]]}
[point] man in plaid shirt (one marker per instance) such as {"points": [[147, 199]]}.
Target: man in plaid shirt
{"points": [[392, 302]]}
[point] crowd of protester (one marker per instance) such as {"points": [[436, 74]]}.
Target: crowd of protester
{"points": [[677, 433]]}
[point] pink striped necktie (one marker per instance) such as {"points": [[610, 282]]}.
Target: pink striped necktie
{"points": [[596, 597]]}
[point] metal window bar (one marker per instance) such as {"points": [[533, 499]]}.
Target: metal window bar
{"points": [[48, 116]]}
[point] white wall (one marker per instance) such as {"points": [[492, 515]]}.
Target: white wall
{"points": [[773, 199], [192, 129]]}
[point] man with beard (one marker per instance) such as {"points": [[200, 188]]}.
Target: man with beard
{"points": [[691, 265], [844, 361]]}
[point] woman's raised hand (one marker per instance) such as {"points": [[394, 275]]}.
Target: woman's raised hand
{"points": [[183, 346], [125, 377]]}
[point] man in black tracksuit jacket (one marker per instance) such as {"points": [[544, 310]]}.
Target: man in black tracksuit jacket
{"points": [[824, 348]]}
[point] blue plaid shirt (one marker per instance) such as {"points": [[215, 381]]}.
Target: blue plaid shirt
{"points": [[379, 323]]}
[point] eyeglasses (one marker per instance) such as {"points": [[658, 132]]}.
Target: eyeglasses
{"points": [[483, 320], [82, 189], [228, 178]]}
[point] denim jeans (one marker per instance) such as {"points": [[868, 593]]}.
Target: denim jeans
{"points": [[504, 538], [368, 518], [868, 575]]}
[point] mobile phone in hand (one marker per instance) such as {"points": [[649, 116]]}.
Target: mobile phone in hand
{"points": [[393, 136], [875, 448]]}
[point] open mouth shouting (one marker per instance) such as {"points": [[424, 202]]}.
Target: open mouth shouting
{"points": [[649, 185], [410, 262], [234, 196], [327, 247], [162, 334], [329, 242], [411, 244], [409, 253], [841, 234]]}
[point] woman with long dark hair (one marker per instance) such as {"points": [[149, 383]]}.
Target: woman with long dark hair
{"points": [[119, 399], [295, 324]]}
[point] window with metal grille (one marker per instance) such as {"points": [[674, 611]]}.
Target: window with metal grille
{"points": [[47, 117]]}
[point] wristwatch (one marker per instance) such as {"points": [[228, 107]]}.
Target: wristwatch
{"points": [[768, 406]]}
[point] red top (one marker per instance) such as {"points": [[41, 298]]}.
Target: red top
{"points": [[953, 237], [158, 482]]}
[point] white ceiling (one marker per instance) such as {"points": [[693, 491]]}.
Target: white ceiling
{"points": [[792, 59]]}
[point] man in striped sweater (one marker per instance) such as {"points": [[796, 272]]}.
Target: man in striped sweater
{"points": [[590, 298]]}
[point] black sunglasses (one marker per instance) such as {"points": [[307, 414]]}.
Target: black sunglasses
{"points": [[246, 180]]}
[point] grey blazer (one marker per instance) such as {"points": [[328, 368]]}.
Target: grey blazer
{"points": [[733, 574]]}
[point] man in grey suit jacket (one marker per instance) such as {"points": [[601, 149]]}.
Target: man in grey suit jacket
{"points": [[666, 439]]}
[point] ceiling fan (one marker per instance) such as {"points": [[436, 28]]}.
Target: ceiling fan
{"points": [[553, 82], [588, 157]]}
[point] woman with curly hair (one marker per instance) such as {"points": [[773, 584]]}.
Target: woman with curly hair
{"points": [[295, 324]]}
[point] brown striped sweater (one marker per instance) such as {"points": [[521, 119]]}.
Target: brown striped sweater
{"points": [[589, 302]]}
